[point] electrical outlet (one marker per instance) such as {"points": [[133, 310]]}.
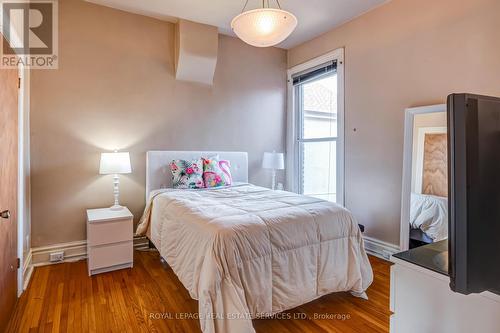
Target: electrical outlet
{"points": [[56, 256]]}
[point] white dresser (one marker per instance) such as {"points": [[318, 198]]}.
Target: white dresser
{"points": [[109, 240], [422, 302]]}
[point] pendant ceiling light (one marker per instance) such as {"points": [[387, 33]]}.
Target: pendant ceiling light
{"points": [[265, 26]]}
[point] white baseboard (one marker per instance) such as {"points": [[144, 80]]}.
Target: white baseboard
{"points": [[73, 251], [141, 242], [380, 248]]}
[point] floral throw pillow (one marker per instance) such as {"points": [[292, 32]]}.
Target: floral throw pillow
{"points": [[216, 173], [187, 174]]}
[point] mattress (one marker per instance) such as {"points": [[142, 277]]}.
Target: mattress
{"points": [[248, 252], [429, 213]]}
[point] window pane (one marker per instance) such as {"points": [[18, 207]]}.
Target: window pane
{"points": [[320, 108], [319, 169]]}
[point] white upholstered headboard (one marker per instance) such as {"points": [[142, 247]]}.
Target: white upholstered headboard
{"points": [[158, 171]]}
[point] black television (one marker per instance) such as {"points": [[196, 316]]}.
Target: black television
{"points": [[474, 193]]}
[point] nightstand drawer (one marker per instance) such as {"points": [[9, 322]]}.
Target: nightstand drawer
{"points": [[110, 255], [109, 232]]}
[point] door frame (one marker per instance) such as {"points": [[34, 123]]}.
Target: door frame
{"points": [[24, 186], [23, 183]]}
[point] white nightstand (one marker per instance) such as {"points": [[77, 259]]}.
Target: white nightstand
{"points": [[109, 240]]}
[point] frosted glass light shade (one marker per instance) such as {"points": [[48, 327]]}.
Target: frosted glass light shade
{"points": [[115, 163], [273, 161], [264, 27]]}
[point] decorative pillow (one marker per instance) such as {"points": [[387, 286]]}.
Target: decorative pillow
{"points": [[216, 173], [187, 174]]}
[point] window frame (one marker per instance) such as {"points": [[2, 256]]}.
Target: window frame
{"points": [[294, 140]]}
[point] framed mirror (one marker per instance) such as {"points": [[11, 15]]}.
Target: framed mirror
{"points": [[424, 207]]}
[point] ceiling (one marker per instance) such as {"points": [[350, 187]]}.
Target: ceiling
{"points": [[314, 16]]}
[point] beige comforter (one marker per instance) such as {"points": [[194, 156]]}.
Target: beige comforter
{"points": [[246, 251]]}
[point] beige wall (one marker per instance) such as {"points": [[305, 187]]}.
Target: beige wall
{"points": [[403, 54], [115, 88]]}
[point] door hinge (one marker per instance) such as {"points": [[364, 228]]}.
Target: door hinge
{"points": [[18, 263], [18, 83]]}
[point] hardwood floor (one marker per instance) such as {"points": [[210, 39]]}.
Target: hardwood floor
{"points": [[62, 298]]}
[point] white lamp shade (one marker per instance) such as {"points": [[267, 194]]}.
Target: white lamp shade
{"points": [[264, 27], [273, 161], [113, 163]]}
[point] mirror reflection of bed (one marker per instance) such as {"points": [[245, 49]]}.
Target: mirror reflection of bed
{"points": [[427, 213]]}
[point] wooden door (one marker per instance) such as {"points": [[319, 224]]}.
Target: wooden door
{"points": [[8, 192]]}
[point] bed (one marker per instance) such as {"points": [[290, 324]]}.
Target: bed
{"points": [[247, 252], [428, 218]]}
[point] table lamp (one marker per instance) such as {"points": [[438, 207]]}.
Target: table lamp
{"points": [[115, 163], [274, 161]]}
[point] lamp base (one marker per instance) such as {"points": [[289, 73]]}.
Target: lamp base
{"points": [[116, 192], [273, 180], [116, 207]]}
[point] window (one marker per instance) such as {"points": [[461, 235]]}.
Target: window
{"points": [[317, 140]]}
